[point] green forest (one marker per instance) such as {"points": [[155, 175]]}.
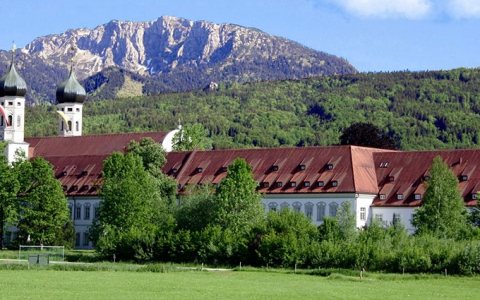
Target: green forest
{"points": [[421, 110]]}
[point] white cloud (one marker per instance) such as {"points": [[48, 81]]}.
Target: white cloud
{"points": [[464, 8], [410, 9]]}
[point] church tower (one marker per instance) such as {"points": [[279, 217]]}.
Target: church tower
{"points": [[70, 96], [12, 108]]}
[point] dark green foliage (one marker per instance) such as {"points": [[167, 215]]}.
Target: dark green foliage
{"points": [[443, 212], [367, 135], [44, 215], [191, 137], [424, 110], [9, 187]]}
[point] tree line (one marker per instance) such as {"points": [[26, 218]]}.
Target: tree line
{"points": [[422, 110]]}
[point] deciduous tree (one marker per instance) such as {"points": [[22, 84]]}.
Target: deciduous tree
{"points": [[190, 137], [443, 212], [366, 134]]}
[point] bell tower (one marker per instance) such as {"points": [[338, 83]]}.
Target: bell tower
{"points": [[70, 96], [12, 108]]}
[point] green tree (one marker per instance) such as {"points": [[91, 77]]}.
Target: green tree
{"points": [[443, 212], [190, 137], [132, 213], [43, 207], [346, 221], [9, 187], [367, 134], [237, 202]]}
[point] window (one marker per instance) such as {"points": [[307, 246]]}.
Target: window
{"points": [[474, 196], [278, 184], [297, 206], [275, 168], [18, 121], [334, 183], [399, 197], [293, 184], [78, 109], [77, 239], [199, 170], [10, 120], [321, 207], [330, 166], [264, 184], [303, 167], [86, 212], [363, 213], [272, 206], [333, 209], [379, 218], [95, 210], [70, 209], [10, 103], [85, 239], [464, 178], [309, 210], [418, 196], [320, 183], [77, 126], [396, 219], [70, 125], [306, 183], [69, 109], [19, 104], [78, 211], [382, 197], [284, 205]]}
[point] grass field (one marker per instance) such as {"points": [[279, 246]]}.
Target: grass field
{"points": [[55, 284]]}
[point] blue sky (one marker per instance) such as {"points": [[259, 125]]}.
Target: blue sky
{"points": [[373, 35]]}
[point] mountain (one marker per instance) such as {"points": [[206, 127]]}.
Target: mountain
{"points": [[168, 54]]}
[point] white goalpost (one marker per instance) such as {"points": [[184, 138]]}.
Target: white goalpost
{"points": [[55, 253]]}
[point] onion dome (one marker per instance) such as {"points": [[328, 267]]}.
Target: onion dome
{"points": [[70, 91], [12, 84]]}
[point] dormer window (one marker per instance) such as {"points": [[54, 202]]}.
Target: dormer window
{"points": [[383, 197], [334, 183], [464, 178], [330, 166], [199, 170], [64, 187], [293, 184], [418, 196], [278, 184], [399, 197], [75, 187], [274, 168], [306, 183], [426, 178], [264, 185], [320, 184], [174, 171], [223, 169], [86, 187], [302, 167], [474, 196]]}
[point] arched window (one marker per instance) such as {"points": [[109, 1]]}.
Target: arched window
{"points": [[78, 211], [333, 209], [18, 121], [309, 209], [95, 210], [86, 211], [63, 125], [77, 126], [284, 205], [10, 120], [272, 206], [70, 125], [70, 208], [321, 207], [297, 206]]}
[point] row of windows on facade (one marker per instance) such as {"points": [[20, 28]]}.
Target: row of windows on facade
{"points": [[396, 218], [77, 212], [309, 208], [10, 121]]}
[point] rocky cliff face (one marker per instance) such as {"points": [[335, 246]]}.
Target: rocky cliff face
{"points": [[168, 48]]}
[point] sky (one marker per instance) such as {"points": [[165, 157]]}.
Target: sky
{"points": [[373, 35]]}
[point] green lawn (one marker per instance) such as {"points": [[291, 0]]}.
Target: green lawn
{"points": [[51, 284]]}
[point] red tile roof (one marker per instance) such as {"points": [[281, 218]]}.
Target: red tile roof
{"points": [[404, 173]]}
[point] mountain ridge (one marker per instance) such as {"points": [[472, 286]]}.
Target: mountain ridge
{"points": [[174, 54]]}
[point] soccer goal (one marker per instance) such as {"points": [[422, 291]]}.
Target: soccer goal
{"points": [[55, 253]]}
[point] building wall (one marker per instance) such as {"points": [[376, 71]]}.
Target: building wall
{"points": [[387, 216], [82, 212]]}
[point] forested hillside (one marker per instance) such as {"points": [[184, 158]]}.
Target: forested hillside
{"points": [[426, 110]]}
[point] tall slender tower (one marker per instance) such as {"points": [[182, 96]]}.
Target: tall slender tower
{"points": [[12, 108], [70, 96]]}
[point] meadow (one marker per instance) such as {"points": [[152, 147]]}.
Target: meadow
{"points": [[48, 283]]}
